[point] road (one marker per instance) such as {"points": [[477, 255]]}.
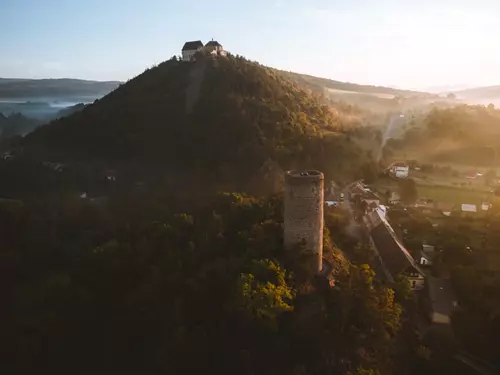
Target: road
{"points": [[354, 229], [477, 364], [390, 132]]}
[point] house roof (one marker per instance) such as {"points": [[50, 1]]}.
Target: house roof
{"points": [[395, 195], [370, 195], [442, 297], [358, 189], [193, 45], [395, 256], [428, 248], [213, 43], [427, 255]]}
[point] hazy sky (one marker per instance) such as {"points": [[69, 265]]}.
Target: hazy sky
{"points": [[403, 43]]}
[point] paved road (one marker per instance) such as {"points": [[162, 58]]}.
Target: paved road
{"points": [[477, 364]]}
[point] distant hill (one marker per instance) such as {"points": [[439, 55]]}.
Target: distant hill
{"points": [[16, 124], [225, 120], [377, 99], [70, 110], [11, 88], [485, 95], [320, 83]]}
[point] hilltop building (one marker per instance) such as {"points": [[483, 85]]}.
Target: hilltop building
{"points": [[190, 49], [215, 48], [303, 221]]}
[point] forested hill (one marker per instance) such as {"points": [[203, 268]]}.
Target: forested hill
{"points": [[16, 124], [319, 84], [227, 118], [468, 135]]}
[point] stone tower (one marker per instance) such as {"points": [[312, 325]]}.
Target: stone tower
{"points": [[304, 199]]}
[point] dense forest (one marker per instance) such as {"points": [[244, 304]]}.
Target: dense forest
{"points": [[462, 134], [144, 234], [16, 124], [164, 268], [138, 280], [229, 122]]}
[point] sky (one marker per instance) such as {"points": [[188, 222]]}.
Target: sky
{"points": [[400, 43]]}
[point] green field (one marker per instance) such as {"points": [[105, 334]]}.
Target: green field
{"points": [[453, 195], [444, 194]]}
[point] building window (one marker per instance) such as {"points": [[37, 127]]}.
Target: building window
{"points": [[413, 284]]}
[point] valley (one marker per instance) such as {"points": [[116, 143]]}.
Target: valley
{"points": [[150, 220]]}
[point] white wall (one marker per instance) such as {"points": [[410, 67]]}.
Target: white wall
{"points": [[188, 54], [401, 172], [417, 283], [425, 262]]}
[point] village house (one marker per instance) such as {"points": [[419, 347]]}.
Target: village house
{"points": [[468, 209], [399, 169], [442, 300], [371, 199], [427, 255], [382, 210], [485, 206], [357, 190], [393, 256], [444, 208], [394, 198], [111, 175], [473, 174]]}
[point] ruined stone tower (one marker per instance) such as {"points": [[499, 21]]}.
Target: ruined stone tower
{"points": [[304, 199]]}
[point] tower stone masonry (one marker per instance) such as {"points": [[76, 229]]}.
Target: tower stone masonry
{"points": [[303, 221]]}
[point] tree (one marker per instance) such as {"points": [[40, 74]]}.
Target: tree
{"points": [[490, 176], [369, 172], [263, 293], [408, 191]]}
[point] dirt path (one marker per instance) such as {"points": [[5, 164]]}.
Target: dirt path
{"points": [[196, 77]]}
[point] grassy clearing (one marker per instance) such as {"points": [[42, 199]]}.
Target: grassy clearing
{"points": [[444, 194], [375, 94], [453, 195]]}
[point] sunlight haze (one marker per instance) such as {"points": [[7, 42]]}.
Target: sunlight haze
{"points": [[419, 45]]}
